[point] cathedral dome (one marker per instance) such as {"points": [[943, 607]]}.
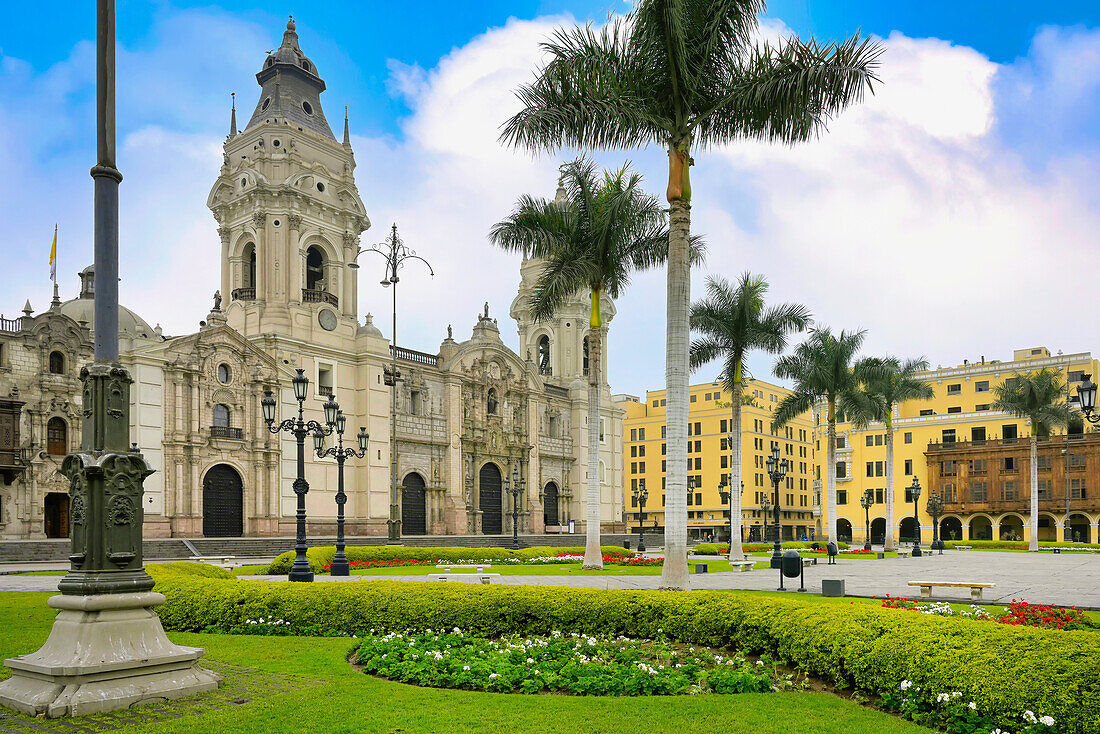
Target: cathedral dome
{"points": [[290, 89], [368, 328], [82, 309]]}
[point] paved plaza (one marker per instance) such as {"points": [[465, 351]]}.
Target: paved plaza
{"points": [[1067, 579]]}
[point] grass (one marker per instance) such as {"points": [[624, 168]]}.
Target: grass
{"points": [[349, 701]]}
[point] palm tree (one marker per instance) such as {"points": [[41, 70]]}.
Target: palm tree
{"points": [[591, 237], [824, 367], [1038, 397], [734, 321], [898, 385], [684, 74]]}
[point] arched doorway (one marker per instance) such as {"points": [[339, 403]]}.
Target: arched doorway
{"points": [[1048, 530], [489, 502], [57, 515], [414, 516], [1079, 529], [844, 530], [951, 528], [222, 503], [878, 530], [550, 505], [1012, 527], [906, 532], [980, 528]]}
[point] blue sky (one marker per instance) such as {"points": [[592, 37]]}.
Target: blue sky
{"points": [[976, 158]]}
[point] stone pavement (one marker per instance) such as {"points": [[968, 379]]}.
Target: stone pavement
{"points": [[1065, 579]]}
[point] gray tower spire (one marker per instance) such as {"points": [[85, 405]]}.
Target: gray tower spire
{"points": [[233, 115], [290, 88], [347, 135]]}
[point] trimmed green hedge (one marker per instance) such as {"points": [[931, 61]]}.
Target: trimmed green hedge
{"points": [[164, 571], [714, 549], [1015, 544], [1004, 669], [322, 556]]}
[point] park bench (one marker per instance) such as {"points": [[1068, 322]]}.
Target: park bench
{"points": [[448, 566], [224, 561], [743, 565], [963, 547], [485, 578], [975, 588]]}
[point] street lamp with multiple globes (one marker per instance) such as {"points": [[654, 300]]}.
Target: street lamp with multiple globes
{"points": [[935, 509], [865, 502], [914, 492], [515, 488], [640, 497], [300, 428], [340, 566], [777, 470]]}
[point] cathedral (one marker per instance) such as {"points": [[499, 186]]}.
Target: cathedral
{"points": [[471, 416]]}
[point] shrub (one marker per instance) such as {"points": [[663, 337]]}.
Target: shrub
{"points": [[721, 549], [322, 556], [1005, 669], [1015, 544], [163, 571]]}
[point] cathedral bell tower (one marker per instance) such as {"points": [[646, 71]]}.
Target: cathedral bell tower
{"points": [[288, 211]]}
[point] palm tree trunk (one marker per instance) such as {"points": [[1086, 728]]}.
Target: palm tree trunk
{"points": [[1033, 544], [830, 454], [737, 553], [888, 543], [674, 572], [593, 556]]}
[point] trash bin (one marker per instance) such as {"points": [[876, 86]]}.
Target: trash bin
{"points": [[700, 568], [626, 544], [790, 565], [832, 587]]}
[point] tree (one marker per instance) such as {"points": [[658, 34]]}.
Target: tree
{"points": [[684, 74], [825, 368], [897, 385], [599, 230], [1038, 397], [733, 321]]}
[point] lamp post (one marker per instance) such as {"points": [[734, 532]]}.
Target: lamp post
{"points": [[691, 489], [765, 509], [396, 253], [865, 502], [935, 508], [914, 492], [300, 428], [515, 488], [640, 497], [1086, 395], [777, 470], [340, 565]]}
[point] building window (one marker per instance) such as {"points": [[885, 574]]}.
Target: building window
{"points": [[57, 437], [908, 437], [221, 416], [324, 380], [1076, 376], [977, 434], [1008, 432], [955, 389], [978, 492], [723, 426], [981, 407], [315, 269], [982, 386], [948, 435], [544, 356], [1044, 489], [634, 452], [878, 495], [841, 470], [584, 357], [840, 442], [870, 467], [948, 469], [1009, 490], [842, 496], [1008, 463], [633, 434], [693, 398], [1077, 489], [949, 493], [654, 403], [641, 451], [1077, 461], [908, 467], [927, 411], [57, 363], [1043, 461], [977, 466], [870, 440], [224, 374], [698, 430], [955, 409]]}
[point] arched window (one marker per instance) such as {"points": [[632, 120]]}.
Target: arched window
{"points": [[544, 356], [491, 401], [248, 279], [224, 374], [57, 437], [57, 363], [221, 416], [315, 269], [584, 352]]}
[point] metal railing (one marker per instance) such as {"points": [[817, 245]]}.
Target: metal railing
{"points": [[226, 432], [310, 295]]}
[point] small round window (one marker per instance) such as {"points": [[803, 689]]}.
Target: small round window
{"points": [[267, 101], [276, 143], [223, 374], [320, 187], [307, 107], [276, 222]]}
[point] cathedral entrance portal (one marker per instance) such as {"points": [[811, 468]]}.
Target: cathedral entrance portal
{"points": [[413, 514], [57, 515], [550, 505], [489, 500], [222, 503]]}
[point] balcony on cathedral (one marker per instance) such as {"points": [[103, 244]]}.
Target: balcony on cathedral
{"points": [[243, 294], [226, 432], [411, 355], [311, 295], [13, 459], [11, 325]]}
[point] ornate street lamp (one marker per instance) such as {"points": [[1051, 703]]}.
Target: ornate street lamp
{"points": [[300, 428], [777, 470], [515, 488], [914, 492], [765, 509], [640, 497], [396, 254], [340, 566], [935, 509], [865, 502], [1086, 396]]}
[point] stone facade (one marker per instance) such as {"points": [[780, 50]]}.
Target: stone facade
{"points": [[468, 416]]}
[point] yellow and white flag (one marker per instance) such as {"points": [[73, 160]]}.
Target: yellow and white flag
{"points": [[53, 256]]}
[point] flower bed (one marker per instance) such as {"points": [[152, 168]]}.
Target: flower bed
{"points": [[561, 663], [321, 556], [1018, 613], [953, 713]]}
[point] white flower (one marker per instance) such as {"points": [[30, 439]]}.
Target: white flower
{"points": [[905, 684], [530, 660], [943, 697], [465, 667], [494, 675], [1046, 720], [1030, 717], [972, 706]]}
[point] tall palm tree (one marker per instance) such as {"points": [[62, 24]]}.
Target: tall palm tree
{"points": [[1038, 397], [684, 74], [733, 322], [897, 385], [824, 367], [592, 238]]}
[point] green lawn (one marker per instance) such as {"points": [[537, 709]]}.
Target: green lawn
{"points": [[348, 701]]}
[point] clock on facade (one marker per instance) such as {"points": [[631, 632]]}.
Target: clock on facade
{"points": [[327, 319]]}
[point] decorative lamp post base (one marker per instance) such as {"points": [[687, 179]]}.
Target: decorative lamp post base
{"points": [[867, 544], [917, 551], [340, 567], [394, 524], [105, 653]]}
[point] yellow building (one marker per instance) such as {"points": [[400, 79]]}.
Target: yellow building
{"points": [[974, 457], [708, 462]]}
